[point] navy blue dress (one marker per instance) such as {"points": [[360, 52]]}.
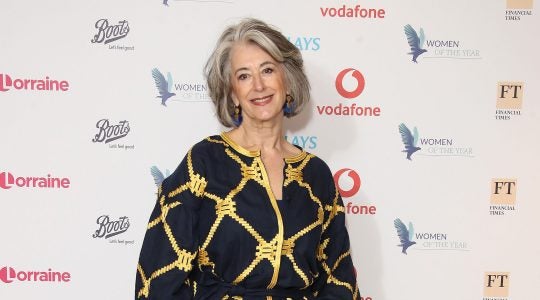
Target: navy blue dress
{"points": [[217, 232]]}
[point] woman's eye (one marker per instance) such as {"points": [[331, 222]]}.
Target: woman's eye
{"points": [[268, 71], [242, 77]]}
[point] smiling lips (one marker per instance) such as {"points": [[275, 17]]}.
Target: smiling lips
{"points": [[262, 101]]}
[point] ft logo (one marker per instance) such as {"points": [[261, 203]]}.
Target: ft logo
{"points": [[503, 191], [496, 284], [509, 95]]}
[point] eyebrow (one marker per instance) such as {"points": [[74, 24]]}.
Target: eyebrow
{"points": [[260, 66]]}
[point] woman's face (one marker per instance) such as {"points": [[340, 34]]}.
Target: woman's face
{"points": [[258, 84]]}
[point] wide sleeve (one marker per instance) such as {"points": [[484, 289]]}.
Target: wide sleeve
{"points": [[337, 278], [171, 241]]}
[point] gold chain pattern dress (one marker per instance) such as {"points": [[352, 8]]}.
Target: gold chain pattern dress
{"points": [[217, 232]]}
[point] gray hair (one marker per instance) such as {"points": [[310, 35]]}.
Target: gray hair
{"points": [[218, 67]]}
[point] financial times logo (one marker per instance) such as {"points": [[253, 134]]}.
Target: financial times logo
{"points": [[359, 84], [496, 284]]}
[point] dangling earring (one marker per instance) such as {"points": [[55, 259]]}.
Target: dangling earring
{"points": [[237, 118], [288, 108]]}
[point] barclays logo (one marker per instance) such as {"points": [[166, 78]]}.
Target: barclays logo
{"points": [[306, 43]]}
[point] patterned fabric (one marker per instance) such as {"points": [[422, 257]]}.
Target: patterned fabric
{"points": [[217, 232]]}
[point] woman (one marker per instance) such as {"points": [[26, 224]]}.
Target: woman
{"points": [[247, 215]]}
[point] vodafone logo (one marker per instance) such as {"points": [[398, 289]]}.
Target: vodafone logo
{"points": [[360, 83], [8, 180], [9, 274], [44, 84], [345, 191]]}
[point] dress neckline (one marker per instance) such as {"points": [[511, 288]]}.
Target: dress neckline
{"points": [[257, 153]]}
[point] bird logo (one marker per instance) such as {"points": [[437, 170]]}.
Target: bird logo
{"points": [[158, 175], [163, 86], [405, 235], [409, 140], [416, 42]]}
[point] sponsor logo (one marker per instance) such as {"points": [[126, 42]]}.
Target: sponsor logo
{"points": [[183, 91], [437, 48], [107, 32], [108, 228], [348, 187], [304, 141], [350, 83], [509, 100], [503, 196], [306, 43], [426, 240], [8, 180], [431, 146], [46, 84], [166, 2], [496, 285], [9, 275], [108, 132], [158, 175], [517, 9], [356, 12]]}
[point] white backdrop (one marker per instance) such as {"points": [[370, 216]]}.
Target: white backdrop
{"points": [[469, 192]]}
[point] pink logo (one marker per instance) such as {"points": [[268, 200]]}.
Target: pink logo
{"points": [[360, 83], [5, 276], [8, 275], [356, 182], [7, 181], [47, 84]]}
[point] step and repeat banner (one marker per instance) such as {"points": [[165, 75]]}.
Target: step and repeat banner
{"points": [[427, 112]]}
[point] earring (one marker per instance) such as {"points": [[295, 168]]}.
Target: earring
{"points": [[288, 108], [237, 118]]}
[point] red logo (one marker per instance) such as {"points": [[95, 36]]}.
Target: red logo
{"points": [[360, 83], [7, 181], [355, 186], [8, 275], [46, 84]]}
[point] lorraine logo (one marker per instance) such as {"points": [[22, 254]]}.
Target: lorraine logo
{"points": [[9, 275], [158, 175], [360, 83], [349, 83], [164, 86], [503, 196], [8, 180], [410, 140], [405, 235], [416, 41], [46, 84], [509, 99], [496, 284]]}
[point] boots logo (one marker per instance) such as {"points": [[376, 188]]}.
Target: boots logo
{"points": [[108, 133], [9, 274], [47, 84], [360, 83], [8, 180], [108, 33], [108, 228]]}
